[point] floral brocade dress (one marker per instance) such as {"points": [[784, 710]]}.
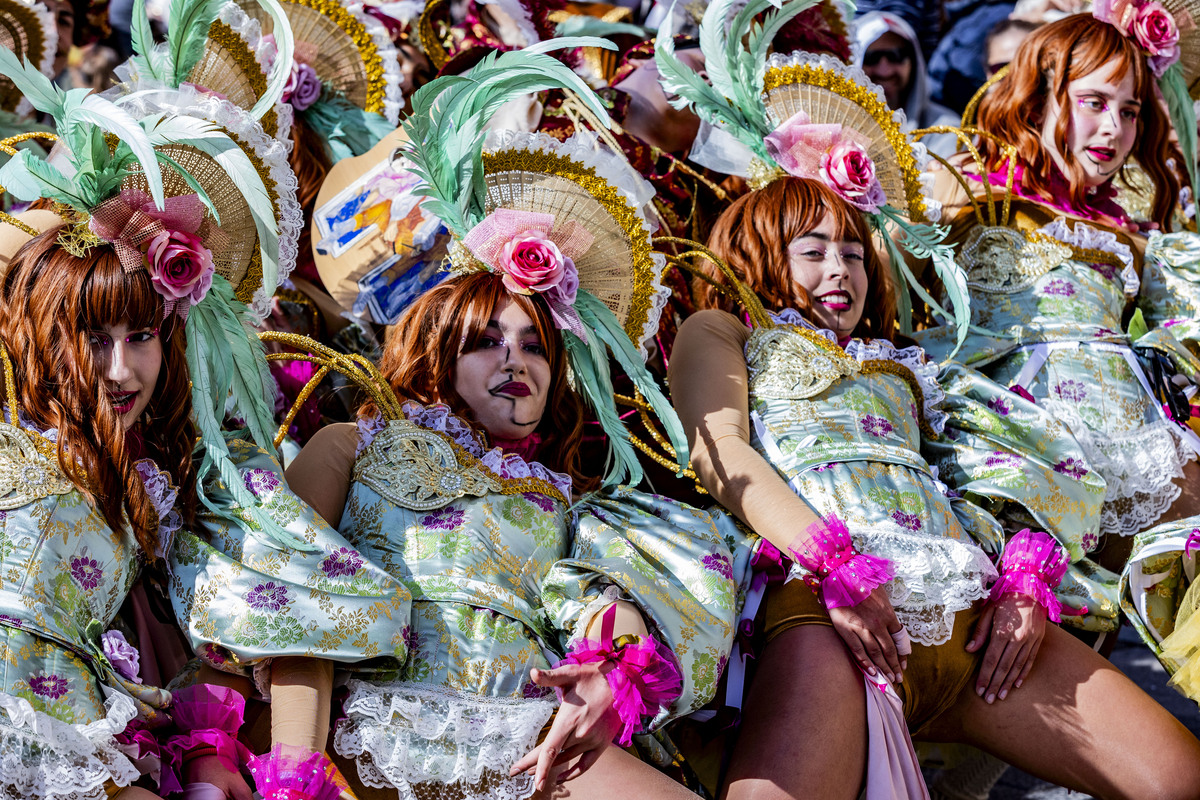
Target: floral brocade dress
{"points": [[908, 459], [505, 574], [67, 716]]}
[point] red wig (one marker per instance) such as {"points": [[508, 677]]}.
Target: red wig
{"points": [[50, 304], [1045, 64], [423, 347], [753, 235]]}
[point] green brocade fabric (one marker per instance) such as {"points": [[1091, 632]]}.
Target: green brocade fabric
{"points": [[504, 578], [1170, 295], [243, 602]]}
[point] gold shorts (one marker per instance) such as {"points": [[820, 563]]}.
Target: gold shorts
{"points": [[935, 675]]}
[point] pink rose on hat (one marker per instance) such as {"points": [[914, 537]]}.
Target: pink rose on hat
{"points": [[531, 262], [848, 170], [181, 267]]}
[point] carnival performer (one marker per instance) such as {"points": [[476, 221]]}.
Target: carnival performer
{"points": [[549, 620], [135, 229], [816, 431]]}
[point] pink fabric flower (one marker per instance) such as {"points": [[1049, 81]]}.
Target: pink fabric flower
{"points": [[849, 171], [303, 87], [531, 262], [1155, 30], [1118, 13], [181, 267], [122, 655]]}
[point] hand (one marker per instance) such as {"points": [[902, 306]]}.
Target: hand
{"points": [[867, 630], [1014, 629], [584, 726], [210, 769]]}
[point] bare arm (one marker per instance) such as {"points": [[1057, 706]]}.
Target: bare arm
{"points": [[320, 474]]}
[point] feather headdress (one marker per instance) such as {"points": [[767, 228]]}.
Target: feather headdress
{"points": [[181, 184], [813, 116], [561, 219]]}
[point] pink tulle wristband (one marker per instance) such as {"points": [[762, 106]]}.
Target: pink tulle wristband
{"points": [[293, 773], [1033, 564], [644, 677], [843, 576], [209, 716]]}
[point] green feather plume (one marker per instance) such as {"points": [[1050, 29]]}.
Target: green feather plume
{"points": [[187, 34], [594, 26], [446, 127], [589, 365], [1183, 118]]}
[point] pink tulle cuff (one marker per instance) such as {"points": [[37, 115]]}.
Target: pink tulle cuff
{"points": [[844, 576], [1193, 541], [292, 773], [644, 677], [208, 716], [1033, 564]]}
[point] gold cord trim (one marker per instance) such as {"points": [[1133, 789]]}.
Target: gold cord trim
{"points": [[750, 302], [430, 44], [367, 51], [226, 37], [968, 117]]}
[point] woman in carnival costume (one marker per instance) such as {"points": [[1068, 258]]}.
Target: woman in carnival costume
{"points": [[822, 436], [543, 610], [173, 260]]}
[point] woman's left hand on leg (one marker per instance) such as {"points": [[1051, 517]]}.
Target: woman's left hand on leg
{"points": [[1013, 629]]}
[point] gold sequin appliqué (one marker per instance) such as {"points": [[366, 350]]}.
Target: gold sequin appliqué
{"points": [[1004, 261], [792, 363], [26, 473], [421, 470]]}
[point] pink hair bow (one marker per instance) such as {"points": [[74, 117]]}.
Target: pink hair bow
{"points": [[130, 220]]}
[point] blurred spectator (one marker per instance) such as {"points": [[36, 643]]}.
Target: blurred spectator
{"points": [[1002, 43], [1043, 11], [889, 54], [956, 68], [926, 17]]}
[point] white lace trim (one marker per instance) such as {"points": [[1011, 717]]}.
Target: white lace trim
{"points": [[1089, 238], [437, 417], [825, 61], [1139, 468], [189, 101], [49, 434], [46, 65], [41, 756], [393, 98], [250, 31], [405, 733], [936, 577], [914, 358], [162, 494]]}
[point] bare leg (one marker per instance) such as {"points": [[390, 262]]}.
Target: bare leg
{"points": [[618, 774], [804, 731], [136, 793], [1079, 722], [1188, 502]]}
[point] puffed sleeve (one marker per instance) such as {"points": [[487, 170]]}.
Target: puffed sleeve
{"points": [[673, 561], [1170, 291], [243, 599], [1011, 457]]}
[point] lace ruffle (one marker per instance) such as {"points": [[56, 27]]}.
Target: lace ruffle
{"points": [[191, 102], [438, 417], [1139, 468], [41, 756], [250, 31], [936, 577], [406, 734], [913, 358], [1088, 238], [162, 494]]}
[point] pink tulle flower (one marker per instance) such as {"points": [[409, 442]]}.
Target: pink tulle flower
{"points": [[181, 267], [1150, 24], [532, 262]]}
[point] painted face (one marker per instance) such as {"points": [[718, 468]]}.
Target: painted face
{"points": [[834, 274], [1104, 120], [129, 361], [504, 380]]}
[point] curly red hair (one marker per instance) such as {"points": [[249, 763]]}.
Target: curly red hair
{"points": [[423, 347], [50, 303], [1047, 61], [752, 237]]}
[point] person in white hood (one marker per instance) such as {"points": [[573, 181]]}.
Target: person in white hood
{"points": [[888, 51]]}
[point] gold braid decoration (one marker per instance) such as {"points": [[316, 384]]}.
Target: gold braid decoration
{"points": [[225, 36], [367, 51], [641, 265], [359, 369], [1009, 152], [644, 410], [7, 147], [750, 302], [1084, 254], [815, 75], [45, 447], [430, 44], [968, 117]]}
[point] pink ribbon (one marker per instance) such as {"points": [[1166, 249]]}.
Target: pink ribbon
{"points": [[130, 220]]}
